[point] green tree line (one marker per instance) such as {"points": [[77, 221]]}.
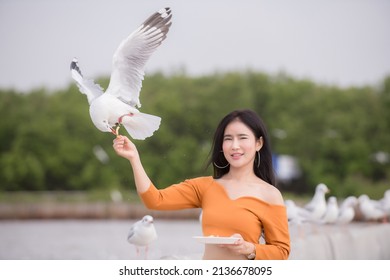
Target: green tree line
{"points": [[340, 136]]}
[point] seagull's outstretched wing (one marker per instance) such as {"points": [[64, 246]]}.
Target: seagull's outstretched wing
{"points": [[132, 54], [86, 86]]}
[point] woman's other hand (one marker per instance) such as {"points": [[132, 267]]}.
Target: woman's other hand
{"points": [[240, 247]]}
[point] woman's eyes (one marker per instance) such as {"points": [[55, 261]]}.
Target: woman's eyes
{"points": [[230, 138]]}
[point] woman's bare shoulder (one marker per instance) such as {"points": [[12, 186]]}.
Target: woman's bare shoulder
{"points": [[271, 194]]}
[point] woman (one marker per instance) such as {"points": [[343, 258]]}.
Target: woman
{"points": [[240, 200]]}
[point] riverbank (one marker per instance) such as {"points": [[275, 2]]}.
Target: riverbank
{"points": [[91, 210]]}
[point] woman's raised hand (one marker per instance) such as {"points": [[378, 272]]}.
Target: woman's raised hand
{"points": [[124, 147]]}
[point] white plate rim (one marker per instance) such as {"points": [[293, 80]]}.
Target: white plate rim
{"points": [[216, 239]]}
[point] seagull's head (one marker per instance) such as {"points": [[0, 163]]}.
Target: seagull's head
{"points": [[289, 203], [363, 198], [387, 194], [147, 220], [351, 201], [322, 188], [332, 200], [104, 126]]}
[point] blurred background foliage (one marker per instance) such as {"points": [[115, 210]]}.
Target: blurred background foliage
{"points": [[340, 136]]}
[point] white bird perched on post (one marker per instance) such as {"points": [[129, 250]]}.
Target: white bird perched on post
{"points": [[294, 213], [316, 208], [371, 209], [142, 234], [332, 211], [385, 203], [118, 105], [347, 210], [294, 216]]}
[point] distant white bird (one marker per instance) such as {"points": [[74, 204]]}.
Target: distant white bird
{"points": [[294, 214], [142, 234], [101, 154], [370, 209], [385, 203], [118, 105], [316, 208], [295, 217], [332, 211], [347, 210], [116, 196], [349, 201]]}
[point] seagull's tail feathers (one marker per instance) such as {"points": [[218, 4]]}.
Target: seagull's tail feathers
{"points": [[86, 86], [141, 125]]}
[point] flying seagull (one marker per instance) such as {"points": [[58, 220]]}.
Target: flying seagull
{"points": [[142, 234], [118, 104]]}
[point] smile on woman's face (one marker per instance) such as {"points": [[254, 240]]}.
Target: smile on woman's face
{"points": [[240, 144]]}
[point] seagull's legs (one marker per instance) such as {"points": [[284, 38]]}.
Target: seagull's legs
{"points": [[301, 231], [313, 228], [119, 123], [126, 115], [137, 251], [146, 252]]}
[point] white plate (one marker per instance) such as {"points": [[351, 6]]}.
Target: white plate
{"points": [[216, 239]]}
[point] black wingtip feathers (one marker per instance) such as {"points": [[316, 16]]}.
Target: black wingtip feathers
{"points": [[75, 66]]}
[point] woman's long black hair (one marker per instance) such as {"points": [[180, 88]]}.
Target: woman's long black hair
{"points": [[264, 170]]}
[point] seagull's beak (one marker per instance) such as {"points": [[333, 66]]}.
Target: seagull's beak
{"points": [[116, 130]]}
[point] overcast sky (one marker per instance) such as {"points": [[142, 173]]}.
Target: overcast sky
{"points": [[344, 42]]}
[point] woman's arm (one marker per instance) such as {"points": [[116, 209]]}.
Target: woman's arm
{"points": [[126, 149], [186, 194]]}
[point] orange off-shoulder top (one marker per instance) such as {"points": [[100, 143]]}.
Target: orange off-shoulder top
{"points": [[222, 216]]}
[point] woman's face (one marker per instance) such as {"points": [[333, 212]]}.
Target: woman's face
{"points": [[240, 145]]}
